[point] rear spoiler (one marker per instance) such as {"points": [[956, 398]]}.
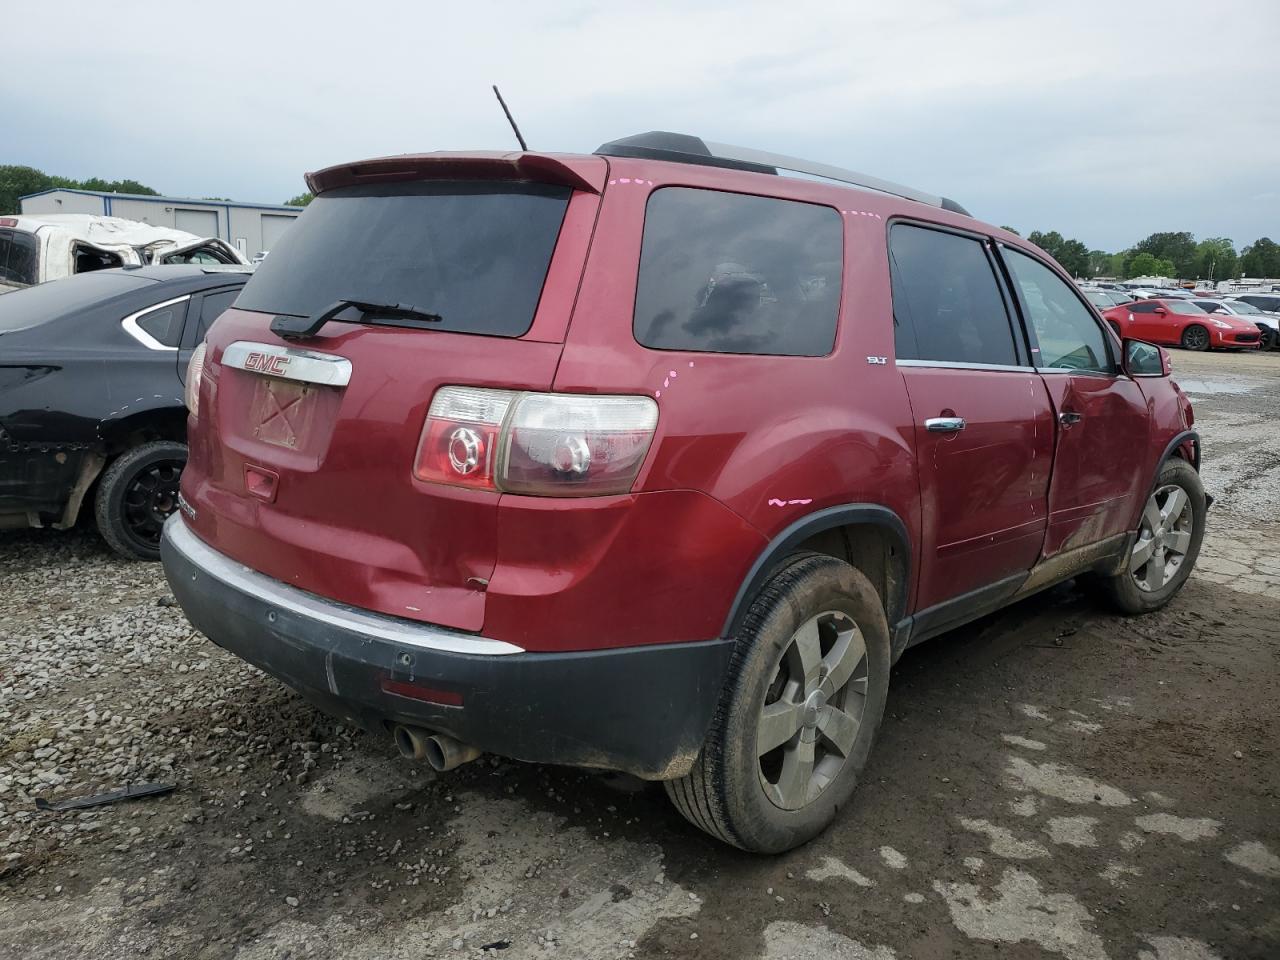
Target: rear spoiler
{"points": [[570, 170]]}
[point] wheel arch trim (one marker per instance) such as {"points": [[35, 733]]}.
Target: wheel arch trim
{"points": [[840, 515], [1172, 446]]}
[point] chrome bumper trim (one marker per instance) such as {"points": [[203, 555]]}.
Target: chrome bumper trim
{"points": [[407, 633]]}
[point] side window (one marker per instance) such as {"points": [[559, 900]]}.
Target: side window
{"points": [[733, 273], [1143, 308], [89, 259], [1208, 306], [211, 307], [947, 304], [17, 257], [163, 325], [1068, 336]]}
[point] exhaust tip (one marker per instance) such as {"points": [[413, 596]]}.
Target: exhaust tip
{"points": [[411, 743], [445, 753]]}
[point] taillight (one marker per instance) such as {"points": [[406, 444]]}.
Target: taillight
{"points": [[576, 445], [546, 444], [459, 443], [195, 371]]}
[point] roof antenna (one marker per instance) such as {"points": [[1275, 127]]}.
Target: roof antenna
{"points": [[511, 120]]}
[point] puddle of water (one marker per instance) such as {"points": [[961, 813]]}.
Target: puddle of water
{"points": [[1212, 387]]}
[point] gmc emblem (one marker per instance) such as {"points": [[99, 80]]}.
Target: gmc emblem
{"points": [[266, 363]]}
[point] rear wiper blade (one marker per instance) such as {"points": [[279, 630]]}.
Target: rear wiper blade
{"points": [[301, 328]]}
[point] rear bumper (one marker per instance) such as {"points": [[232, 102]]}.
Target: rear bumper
{"points": [[643, 710]]}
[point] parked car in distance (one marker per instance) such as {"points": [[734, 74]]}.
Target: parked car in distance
{"points": [[1183, 323], [629, 464], [91, 396], [1104, 299], [1268, 324], [1270, 302], [35, 249]]}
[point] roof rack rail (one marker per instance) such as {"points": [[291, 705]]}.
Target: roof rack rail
{"points": [[683, 148]]}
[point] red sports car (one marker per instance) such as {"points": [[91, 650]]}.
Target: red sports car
{"points": [[1180, 322]]}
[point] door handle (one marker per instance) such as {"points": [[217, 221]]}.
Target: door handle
{"points": [[1068, 417], [944, 424]]}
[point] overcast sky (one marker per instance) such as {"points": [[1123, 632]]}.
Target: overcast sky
{"points": [[1104, 121]]}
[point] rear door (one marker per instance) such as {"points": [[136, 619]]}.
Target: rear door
{"points": [[302, 465], [1140, 323], [983, 422], [1102, 414]]}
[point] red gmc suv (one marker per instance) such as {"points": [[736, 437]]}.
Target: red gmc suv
{"points": [[656, 460]]}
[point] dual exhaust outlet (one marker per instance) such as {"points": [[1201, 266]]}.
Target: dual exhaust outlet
{"points": [[440, 751]]}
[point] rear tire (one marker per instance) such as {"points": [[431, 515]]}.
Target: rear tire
{"points": [[137, 493], [1195, 337], [811, 671], [1169, 535]]}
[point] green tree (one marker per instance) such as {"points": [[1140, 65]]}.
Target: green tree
{"points": [[17, 182], [1261, 258], [1100, 264], [1215, 259], [1140, 263], [1178, 248], [301, 200], [117, 186], [1011, 230], [1071, 254]]}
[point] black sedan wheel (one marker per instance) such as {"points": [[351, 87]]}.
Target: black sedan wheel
{"points": [[1195, 337], [136, 495]]}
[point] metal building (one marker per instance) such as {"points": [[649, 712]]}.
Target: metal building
{"points": [[251, 227]]}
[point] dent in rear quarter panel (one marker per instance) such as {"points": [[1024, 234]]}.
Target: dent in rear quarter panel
{"points": [[771, 438]]}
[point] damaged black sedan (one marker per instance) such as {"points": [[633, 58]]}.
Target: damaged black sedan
{"points": [[91, 397]]}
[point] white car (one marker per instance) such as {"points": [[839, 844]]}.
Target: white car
{"points": [[1268, 324], [35, 249]]}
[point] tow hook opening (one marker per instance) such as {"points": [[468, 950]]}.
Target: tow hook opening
{"points": [[441, 752]]}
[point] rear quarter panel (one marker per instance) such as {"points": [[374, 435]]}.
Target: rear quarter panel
{"points": [[771, 438]]}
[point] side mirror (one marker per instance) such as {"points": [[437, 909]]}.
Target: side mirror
{"points": [[1142, 359]]}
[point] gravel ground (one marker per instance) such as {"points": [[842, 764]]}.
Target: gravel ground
{"points": [[1051, 781]]}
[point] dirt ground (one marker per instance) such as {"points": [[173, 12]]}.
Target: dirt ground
{"points": [[1052, 781]]}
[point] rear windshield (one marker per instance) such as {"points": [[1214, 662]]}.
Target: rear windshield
{"points": [[48, 301], [474, 252]]}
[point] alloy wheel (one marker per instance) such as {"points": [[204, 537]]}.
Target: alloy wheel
{"points": [[813, 709], [151, 496], [1195, 338], [1164, 537]]}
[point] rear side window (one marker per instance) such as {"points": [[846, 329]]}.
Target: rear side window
{"points": [[164, 325], [733, 273], [474, 252], [947, 304], [17, 257], [1143, 308]]}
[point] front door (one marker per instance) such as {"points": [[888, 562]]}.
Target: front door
{"points": [[1103, 429], [983, 420]]}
